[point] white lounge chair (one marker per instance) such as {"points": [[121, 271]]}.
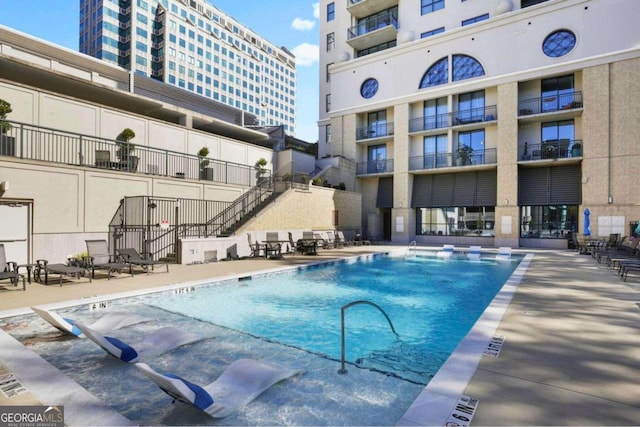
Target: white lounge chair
{"points": [[108, 322], [158, 342], [474, 252], [446, 252], [239, 384], [504, 253]]}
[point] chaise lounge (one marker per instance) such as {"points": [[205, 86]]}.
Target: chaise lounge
{"points": [[99, 258], [9, 270], [133, 257]]}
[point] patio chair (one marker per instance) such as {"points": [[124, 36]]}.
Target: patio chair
{"points": [[272, 246], [9, 270], [43, 269], [474, 252], [133, 257], [257, 248], [293, 247], [107, 323], [446, 251], [239, 384], [99, 258], [159, 341]]}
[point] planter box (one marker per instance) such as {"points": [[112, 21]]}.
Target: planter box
{"points": [[7, 145], [206, 174]]}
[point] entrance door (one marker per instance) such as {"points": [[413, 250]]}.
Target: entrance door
{"points": [[14, 231]]}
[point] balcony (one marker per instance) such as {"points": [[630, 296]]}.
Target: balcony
{"points": [[458, 118], [379, 130], [361, 8], [372, 32], [551, 149], [374, 167], [447, 160], [550, 104]]}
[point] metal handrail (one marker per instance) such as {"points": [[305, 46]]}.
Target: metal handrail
{"points": [[343, 370], [32, 142]]}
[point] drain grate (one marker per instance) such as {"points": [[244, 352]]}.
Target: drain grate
{"points": [[463, 412], [494, 347], [10, 386]]}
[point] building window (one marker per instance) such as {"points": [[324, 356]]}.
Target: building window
{"points": [[559, 43], [548, 222], [328, 77], [557, 92], [432, 32], [437, 74], [466, 67], [374, 49], [369, 88], [331, 41], [328, 102], [475, 19], [468, 221], [470, 107], [435, 113], [327, 134], [435, 152], [331, 11], [470, 150], [428, 6]]}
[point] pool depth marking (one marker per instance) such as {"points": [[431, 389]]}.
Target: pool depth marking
{"points": [[463, 412], [495, 345]]}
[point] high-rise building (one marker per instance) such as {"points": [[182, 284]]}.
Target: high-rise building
{"points": [[192, 45], [511, 122]]}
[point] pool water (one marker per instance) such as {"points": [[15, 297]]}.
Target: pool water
{"points": [[291, 319]]}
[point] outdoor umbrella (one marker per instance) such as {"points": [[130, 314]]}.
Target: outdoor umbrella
{"points": [[587, 230]]}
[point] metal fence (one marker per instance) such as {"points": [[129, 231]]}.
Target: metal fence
{"points": [[31, 142]]}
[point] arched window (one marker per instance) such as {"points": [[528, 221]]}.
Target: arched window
{"points": [[437, 74], [466, 67], [559, 43]]}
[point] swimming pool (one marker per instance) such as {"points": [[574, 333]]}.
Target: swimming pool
{"points": [[319, 397]]}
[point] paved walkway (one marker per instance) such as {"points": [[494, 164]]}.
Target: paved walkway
{"points": [[572, 344]]}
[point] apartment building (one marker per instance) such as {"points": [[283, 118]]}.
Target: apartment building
{"points": [[505, 122], [194, 46]]}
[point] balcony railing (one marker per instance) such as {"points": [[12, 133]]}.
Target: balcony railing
{"points": [[549, 104], [26, 141], [447, 160], [552, 149], [374, 167], [377, 130], [372, 24], [457, 118]]}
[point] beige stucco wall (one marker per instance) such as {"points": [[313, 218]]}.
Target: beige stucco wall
{"points": [[311, 209]]}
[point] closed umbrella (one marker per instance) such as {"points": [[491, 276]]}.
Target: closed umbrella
{"points": [[587, 224]]}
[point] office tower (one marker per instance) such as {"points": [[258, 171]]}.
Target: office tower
{"points": [[484, 122], [192, 45]]}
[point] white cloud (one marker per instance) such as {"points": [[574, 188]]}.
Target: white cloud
{"points": [[316, 10], [302, 24], [306, 54]]}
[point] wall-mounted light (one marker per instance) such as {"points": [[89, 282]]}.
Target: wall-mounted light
{"points": [[4, 186], [506, 202], [585, 179]]}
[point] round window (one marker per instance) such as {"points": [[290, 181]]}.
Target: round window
{"points": [[559, 43], [369, 88]]}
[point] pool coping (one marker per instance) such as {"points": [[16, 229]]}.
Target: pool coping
{"points": [[438, 400]]}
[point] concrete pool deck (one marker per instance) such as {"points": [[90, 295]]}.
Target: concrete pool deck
{"points": [[570, 356]]}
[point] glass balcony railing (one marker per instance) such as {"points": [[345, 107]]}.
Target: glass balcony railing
{"points": [[372, 24]]}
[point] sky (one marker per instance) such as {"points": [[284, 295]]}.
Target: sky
{"points": [[289, 23]]}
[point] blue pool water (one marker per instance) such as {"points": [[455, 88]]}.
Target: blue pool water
{"points": [[292, 319], [432, 304]]}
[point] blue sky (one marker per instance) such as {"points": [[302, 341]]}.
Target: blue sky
{"points": [[289, 23]]}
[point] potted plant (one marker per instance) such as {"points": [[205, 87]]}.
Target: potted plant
{"points": [[465, 154], [576, 149], [260, 170], [525, 152], [206, 173], [316, 181], [7, 143], [125, 148], [549, 151]]}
